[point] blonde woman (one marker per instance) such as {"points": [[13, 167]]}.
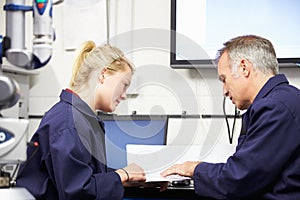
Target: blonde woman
{"points": [[70, 162]]}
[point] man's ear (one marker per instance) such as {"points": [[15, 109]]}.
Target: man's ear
{"points": [[246, 67]]}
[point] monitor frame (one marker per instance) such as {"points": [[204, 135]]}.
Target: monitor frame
{"points": [[207, 63], [106, 118]]}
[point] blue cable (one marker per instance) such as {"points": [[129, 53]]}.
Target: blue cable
{"points": [[15, 7]]}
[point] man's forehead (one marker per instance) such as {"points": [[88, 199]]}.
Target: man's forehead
{"points": [[223, 63]]}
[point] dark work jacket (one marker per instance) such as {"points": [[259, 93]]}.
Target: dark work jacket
{"points": [[266, 164], [70, 162]]}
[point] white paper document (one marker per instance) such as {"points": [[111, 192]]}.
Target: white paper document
{"points": [[156, 158]]}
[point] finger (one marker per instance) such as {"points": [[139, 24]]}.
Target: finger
{"points": [[165, 173], [169, 171], [139, 178], [163, 187]]}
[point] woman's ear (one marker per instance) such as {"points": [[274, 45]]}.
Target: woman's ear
{"points": [[101, 75], [101, 79], [103, 70]]}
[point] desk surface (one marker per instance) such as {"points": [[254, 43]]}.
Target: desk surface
{"points": [[170, 193], [15, 193], [183, 193]]}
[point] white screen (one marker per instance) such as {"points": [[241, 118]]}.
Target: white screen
{"points": [[210, 23]]}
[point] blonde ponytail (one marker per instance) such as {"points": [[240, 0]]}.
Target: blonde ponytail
{"points": [[82, 53], [91, 58]]}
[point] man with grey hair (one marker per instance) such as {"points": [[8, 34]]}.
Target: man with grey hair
{"points": [[267, 158]]}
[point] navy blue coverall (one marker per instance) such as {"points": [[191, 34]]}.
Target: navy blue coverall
{"points": [[266, 164], [70, 161]]}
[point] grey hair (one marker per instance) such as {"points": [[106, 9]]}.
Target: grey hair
{"points": [[257, 50]]}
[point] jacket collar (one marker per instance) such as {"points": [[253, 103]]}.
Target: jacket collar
{"points": [[271, 83], [77, 102]]}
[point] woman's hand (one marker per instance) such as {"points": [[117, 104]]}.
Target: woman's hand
{"points": [[132, 173]]}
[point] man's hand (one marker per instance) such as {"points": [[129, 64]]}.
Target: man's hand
{"points": [[184, 169]]}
